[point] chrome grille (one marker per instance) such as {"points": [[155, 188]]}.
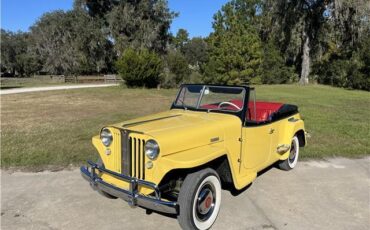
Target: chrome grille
{"points": [[137, 156]]}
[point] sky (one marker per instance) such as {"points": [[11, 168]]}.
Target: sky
{"points": [[196, 16]]}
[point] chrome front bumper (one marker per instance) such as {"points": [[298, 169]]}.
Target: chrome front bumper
{"points": [[131, 196]]}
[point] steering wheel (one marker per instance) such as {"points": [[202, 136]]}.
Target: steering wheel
{"points": [[228, 103]]}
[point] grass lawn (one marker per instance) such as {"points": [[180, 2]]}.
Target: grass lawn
{"points": [[53, 129]]}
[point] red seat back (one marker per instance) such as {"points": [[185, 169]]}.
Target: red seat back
{"points": [[264, 110]]}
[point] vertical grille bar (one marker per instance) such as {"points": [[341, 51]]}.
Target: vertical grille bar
{"points": [[133, 157], [139, 156], [143, 158], [126, 150]]}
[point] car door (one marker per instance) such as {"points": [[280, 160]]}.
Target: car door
{"points": [[256, 146], [256, 139]]}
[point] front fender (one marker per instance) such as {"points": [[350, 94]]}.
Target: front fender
{"points": [[193, 157], [190, 158]]}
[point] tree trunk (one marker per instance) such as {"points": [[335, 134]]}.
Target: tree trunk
{"points": [[306, 68]]}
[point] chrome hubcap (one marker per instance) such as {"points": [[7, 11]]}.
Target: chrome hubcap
{"points": [[205, 202]]}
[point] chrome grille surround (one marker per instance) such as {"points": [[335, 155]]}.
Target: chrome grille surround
{"points": [[133, 154]]}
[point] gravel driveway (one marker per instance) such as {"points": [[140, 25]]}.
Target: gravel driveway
{"points": [[49, 88], [331, 194]]}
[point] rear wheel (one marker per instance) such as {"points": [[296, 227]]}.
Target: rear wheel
{"points": [[199, 199], [292, 160]]}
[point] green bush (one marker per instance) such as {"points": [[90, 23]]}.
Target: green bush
{"points": [[196, 77], [344, 72], [178, 68], [346, 68], [140, 68]]}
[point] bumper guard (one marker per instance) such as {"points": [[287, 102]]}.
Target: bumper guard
{"points": [[131, 196]]}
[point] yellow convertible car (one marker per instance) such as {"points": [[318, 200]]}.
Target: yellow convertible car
{"points": [[176, 162]]}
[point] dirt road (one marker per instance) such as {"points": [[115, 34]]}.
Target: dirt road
{"points": [[331, 194]]}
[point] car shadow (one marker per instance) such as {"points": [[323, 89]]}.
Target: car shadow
{"points": [[235, 192], [229, 187], [149, 212]]}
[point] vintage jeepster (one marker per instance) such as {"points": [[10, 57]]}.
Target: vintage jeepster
{"points": [[176, 162]]}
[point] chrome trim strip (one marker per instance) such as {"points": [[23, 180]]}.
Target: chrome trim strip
{"points": [[131, 196], [292, 119]]}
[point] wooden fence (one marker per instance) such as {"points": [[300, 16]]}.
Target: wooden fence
{"points": [[92, 79]]}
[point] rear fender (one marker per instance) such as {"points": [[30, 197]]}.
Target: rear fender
{"points": [[292, 126]]}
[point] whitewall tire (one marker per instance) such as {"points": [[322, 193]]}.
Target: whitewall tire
{"points": [[292, 159], [199, 200]]}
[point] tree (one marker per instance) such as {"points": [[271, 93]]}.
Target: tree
{"points": [[308, 32], [140, 68], [178, 69], [96, 8], [71, 43], [181, 38], [343, 45], [136, 24], [140, 24], [297, 30], [195, 51], [344, 68], [8, 52], [235, 49], [17, 56], [274, 69]]}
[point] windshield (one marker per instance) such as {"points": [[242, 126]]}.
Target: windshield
{"points": [[202, 97]]}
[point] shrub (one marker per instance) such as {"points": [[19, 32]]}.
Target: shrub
{"points": [[344, 72], [178, 67], [177, 70], [195, 78], [140, 68]]}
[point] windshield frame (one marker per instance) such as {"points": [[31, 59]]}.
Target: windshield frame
{"points": [[240, 113]]}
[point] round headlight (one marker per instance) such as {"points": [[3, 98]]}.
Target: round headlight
{"points": [[151, 149], [106, 137]]}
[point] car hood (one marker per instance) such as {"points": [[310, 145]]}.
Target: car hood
{"points": [[177, 130]]}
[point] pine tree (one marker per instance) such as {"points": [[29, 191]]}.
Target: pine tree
{"points": [[235, 49]]}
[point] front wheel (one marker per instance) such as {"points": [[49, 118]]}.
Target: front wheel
{"points": [[199, 199], [292, 160]]}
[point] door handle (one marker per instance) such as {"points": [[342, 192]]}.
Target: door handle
{"points": [[272, 131]]}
